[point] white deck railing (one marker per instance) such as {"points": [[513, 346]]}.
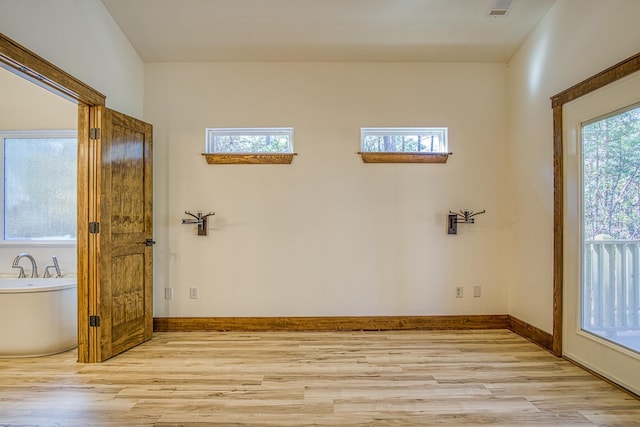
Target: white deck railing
{"points": [[611, 293]]}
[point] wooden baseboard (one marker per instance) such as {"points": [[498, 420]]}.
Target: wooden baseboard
{"points": [[342, 323], [530, 332], [355, 323]]}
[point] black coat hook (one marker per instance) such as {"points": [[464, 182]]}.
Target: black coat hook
{"points": [[465, 216]]}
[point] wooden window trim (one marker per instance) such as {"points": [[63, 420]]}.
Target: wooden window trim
{"points": [[610, 75], [377, 157], [22, 61], [249, 158]]}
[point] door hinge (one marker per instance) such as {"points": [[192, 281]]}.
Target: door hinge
{"points": [[94, 227], [94, 133], [94, 321]]}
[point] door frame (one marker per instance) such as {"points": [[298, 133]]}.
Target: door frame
{"points": [[25, 63], [610, 75]]}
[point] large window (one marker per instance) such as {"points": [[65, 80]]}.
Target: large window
{"points": [[39, 177]]}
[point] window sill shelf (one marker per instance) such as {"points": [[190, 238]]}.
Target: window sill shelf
{"points": [[249, 159], [404, 157]]}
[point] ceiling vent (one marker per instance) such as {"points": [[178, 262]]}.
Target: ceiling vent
{"points": [[500, 8]]}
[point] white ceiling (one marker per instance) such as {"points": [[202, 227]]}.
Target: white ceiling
{"points": [[325, 30]]}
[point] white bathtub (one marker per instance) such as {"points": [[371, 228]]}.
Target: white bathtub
{"points": [[37, 316]]}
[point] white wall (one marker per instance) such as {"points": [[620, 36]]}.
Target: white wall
{"points": [[329, 235], [82, 38], [576, 39], [26, 106]]}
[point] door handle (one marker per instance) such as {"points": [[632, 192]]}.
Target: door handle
{"points": [[149, 242]]}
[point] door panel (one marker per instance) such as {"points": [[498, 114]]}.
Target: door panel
{"points": [[580, 343], [124, 261]]}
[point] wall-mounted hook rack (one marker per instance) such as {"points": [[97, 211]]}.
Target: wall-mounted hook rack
{"points": [[200, 220], [465, 216]]}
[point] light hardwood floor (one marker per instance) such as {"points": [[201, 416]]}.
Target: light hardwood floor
{"points": [[404, 378]]}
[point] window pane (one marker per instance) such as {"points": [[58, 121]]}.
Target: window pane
{"points": [[40, 188], [611, 152], [611, 228], [404, 140], [250, 140]]}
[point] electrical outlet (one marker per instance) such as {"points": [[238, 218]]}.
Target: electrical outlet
{"points": [[193, 293], [168, 293], [459, 291], [477, 291]]}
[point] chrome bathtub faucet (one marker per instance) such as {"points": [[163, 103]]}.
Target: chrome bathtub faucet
{"points": [[55, 266], [34, 267]]}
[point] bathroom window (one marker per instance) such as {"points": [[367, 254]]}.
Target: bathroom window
{"points": [[404, 145], [39, 180], [249, 145]]}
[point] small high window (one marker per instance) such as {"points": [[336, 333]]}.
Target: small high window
{"points": [[249, 145], [404, 140], [39, 180], [404, 145]]}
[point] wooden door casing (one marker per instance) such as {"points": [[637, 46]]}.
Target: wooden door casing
{"points": [[124, 261], [92, 206]]}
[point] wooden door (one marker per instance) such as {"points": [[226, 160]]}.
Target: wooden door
{"points": [[120, 235]]}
